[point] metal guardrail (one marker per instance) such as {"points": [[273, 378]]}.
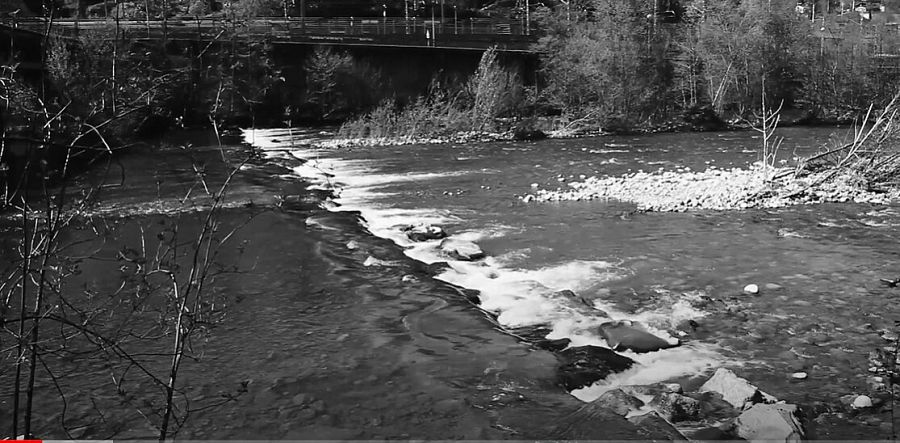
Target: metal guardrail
{"points": [[294, 26], [386, 31]]}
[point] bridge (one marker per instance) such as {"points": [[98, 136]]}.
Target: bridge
{"points": [[467, 34]]}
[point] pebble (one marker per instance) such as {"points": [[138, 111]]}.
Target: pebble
{"points": [[751, 289], [799, 375]]}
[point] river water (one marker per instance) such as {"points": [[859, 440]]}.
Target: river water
{"points": [[822, 308], [335, 330]]}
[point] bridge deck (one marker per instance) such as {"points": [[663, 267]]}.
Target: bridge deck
{"points": [[469, 34]]}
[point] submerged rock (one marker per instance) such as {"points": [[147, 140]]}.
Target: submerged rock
{"points": [[654, 427], [592, 422], [584, 365], [461, 249], [735, 390], [619, 402], [553, 345], [626, 335], [778, 422], [424, 232], [576, 303], [676, 407]]}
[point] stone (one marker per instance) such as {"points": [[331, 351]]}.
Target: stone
{"points": [[799, 375], [751, 289], [631, 336], [674, 388], [654, 427], [733, 389], [618, 401], [771, 422], [423, 232], [461, 250], [861, 402], [582, 366], [408, 278], [676, 407]]}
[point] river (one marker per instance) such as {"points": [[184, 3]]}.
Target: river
{"points": [[336, 330], [822, 309]]}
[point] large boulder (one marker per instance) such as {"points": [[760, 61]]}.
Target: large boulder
{"points": [[632, 336], [676, 407], [618, 401], [424, 232], [461, 249], [771, 422], [735, 390], [582, 366], [653, 427]]}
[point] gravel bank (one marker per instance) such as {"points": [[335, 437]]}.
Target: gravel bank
{"points": [[459, 138], [718, 189]]}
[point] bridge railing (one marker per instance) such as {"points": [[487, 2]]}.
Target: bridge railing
{"points": [[348, 26]]}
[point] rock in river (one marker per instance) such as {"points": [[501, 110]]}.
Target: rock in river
{"points": [[734, 389], [424, 232], [626, 335], [461, 250], [657, 428], [583, 365], [676, 407], [780, 422], [619, 402]]}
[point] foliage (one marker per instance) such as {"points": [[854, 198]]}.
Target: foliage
{"points": [[337, 84], [611, 62], [491, 92], [604, 61]]}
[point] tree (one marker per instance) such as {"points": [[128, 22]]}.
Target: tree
{"points": [[604, 60]]}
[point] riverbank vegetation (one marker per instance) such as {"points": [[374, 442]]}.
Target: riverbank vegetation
{"points": [[629, 65], [444, 111], [689, 65]]}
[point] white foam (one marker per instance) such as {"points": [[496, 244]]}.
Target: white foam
{"points": [[372, 261], [521, 296], [654, 367]]}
